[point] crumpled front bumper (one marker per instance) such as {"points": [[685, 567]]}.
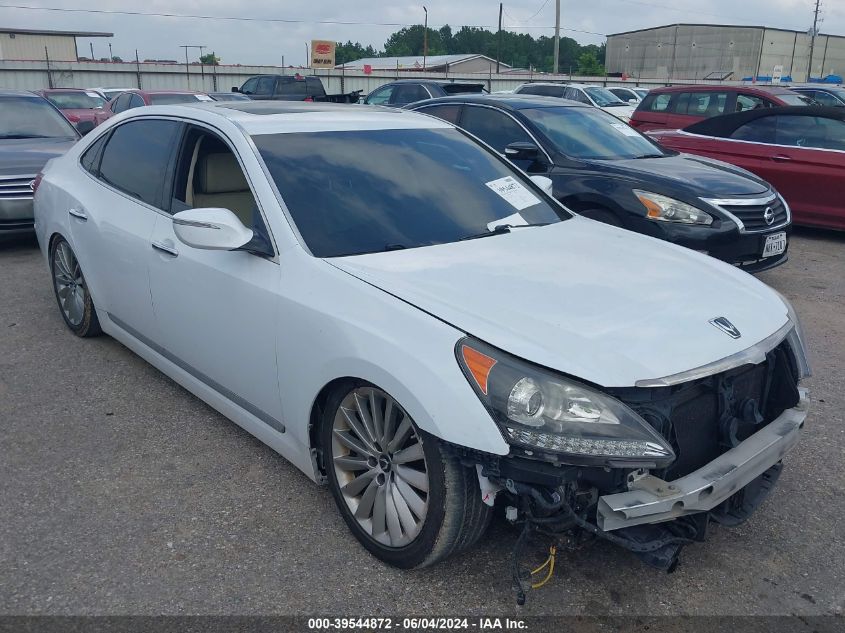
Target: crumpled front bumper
{"points": [[652, 500]]}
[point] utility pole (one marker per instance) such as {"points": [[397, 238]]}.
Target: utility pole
{"points": [[187, 63], [91, 44], [111, 55], [425, 37], [813, 39], [557, 35], [499, 40]]}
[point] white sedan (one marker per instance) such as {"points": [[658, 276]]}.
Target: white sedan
{"points": [[404, 316]]}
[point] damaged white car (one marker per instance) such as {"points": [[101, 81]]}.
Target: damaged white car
{"points": [[403, 315]]}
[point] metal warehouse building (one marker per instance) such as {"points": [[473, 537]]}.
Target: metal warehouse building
{"points": [[713, 51], [26, 44]]}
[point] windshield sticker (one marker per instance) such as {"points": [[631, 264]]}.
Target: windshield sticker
{"points": [[514, 193], [627, 130], [204, 98], [511, 220]]}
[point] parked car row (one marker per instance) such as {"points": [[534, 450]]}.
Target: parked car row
{"points": [[409, 318]]}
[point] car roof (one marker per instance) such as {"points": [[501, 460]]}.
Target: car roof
{"points": [[439, 82], [505, 101], [708, 87], [8, 92], [725, 124], [278, 117]]}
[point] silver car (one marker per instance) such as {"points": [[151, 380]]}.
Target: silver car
{"points": [[32, 131]]}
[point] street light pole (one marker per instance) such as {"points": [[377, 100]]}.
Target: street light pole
{"points": [[425, 37], [557, 35]]}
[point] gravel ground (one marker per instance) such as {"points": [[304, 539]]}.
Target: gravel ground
{"points": [[121, 493]]}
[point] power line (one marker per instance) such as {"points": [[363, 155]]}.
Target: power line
{"points": [[274, 20], [536, 13]]}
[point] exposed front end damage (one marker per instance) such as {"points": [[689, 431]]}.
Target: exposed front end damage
{"points": [[729, 432]]}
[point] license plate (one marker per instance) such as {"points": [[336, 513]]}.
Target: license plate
{"points": [[775, 244]]}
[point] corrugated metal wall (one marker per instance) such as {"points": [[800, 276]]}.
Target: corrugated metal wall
{"points": [[690, 52], [20, 46]]}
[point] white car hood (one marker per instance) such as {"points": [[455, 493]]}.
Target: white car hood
{"points": [[593, 301], [621, 112]]}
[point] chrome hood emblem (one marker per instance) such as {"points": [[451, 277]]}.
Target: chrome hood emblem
{"points": [[726, 326], [769, 215]]}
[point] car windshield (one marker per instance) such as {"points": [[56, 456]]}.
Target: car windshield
{"points": [[369, 191], [166, 99], [588, 133], [603, 97], [31, 117], [76, 100], [795, 99]]}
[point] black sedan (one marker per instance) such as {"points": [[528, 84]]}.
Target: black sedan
{"points": [[606, 170], [401, 92]]}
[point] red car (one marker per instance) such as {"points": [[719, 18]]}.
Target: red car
{"points": [[78, 106], [799, 150], [138, 98], [679, 106]]}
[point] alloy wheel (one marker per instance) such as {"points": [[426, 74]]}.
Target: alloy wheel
{"points": [[70, 284], [380, 466]]}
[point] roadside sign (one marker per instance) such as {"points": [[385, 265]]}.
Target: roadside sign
{"points": [[322, 54], [777, 74]]}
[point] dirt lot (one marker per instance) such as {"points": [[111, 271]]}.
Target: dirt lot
{"points": [[122, 493]]}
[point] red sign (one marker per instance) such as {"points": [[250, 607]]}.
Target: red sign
{"points": [[323, 48], [368, 69]]}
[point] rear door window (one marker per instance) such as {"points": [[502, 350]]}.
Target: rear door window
{"points": [[447, 112], [409, 93], [542, 91], [136, 156], [575, 94], [495, 128], [706, 104], [264, 87], [656, 103], [824, 98], [135, 101], [380, 96], [121, 103]]}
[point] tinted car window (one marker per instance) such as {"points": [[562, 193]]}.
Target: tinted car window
{"points": [[249, 85], [314, 86], [448, 113], [380, 96], [590, 133], [121, 103], [794, 130], [543, 91], [576, 95], [409, 93], [603, 97], [32, 117], [76, 100], [750, 102], [135, 101], [135, 158], [495, 128], [706, 104], [265, 85], [167, 99], [824, 99], [795, 99], [656, 103], [418, 187], [292, 88], [90, 160]]}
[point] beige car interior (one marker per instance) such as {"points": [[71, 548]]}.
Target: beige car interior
{"points": [[216, 179]]}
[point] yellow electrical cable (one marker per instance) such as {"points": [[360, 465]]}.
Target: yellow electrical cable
{"points": [[550, 562]]}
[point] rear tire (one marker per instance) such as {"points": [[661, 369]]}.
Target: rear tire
{"points": [[378, 462], [71, 290]]}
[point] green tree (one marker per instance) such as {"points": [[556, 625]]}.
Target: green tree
{"points": [[588, 64], [210, 59], [349, 52]]}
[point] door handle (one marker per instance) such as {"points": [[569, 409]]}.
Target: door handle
{"points": [[781, 158], [79, 214], [165, 248]]}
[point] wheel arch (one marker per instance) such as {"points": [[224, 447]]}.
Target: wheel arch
{"points": [[317, 409]]}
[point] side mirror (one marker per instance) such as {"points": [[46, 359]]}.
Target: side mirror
{"points": [[83, 127], [211, 229], [235, 89], [633, 101], [544, 183], [522, 151]]}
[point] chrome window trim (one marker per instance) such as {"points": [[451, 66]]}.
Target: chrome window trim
{"points": [[720, 203], [751, 356], [737, 140]]}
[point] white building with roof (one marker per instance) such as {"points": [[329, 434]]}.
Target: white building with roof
{"points": [[465, 63]]}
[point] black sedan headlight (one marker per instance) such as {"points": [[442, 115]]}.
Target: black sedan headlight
{"points": [[540, 410]]}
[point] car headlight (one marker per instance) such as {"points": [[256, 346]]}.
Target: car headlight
{"points": [[541, 410], [668, 209]]}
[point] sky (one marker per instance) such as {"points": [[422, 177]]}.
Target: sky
{"points": [[257, 39]]}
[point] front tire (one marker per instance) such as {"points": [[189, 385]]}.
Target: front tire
{"points": [[403, 496], [71, 290]]}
